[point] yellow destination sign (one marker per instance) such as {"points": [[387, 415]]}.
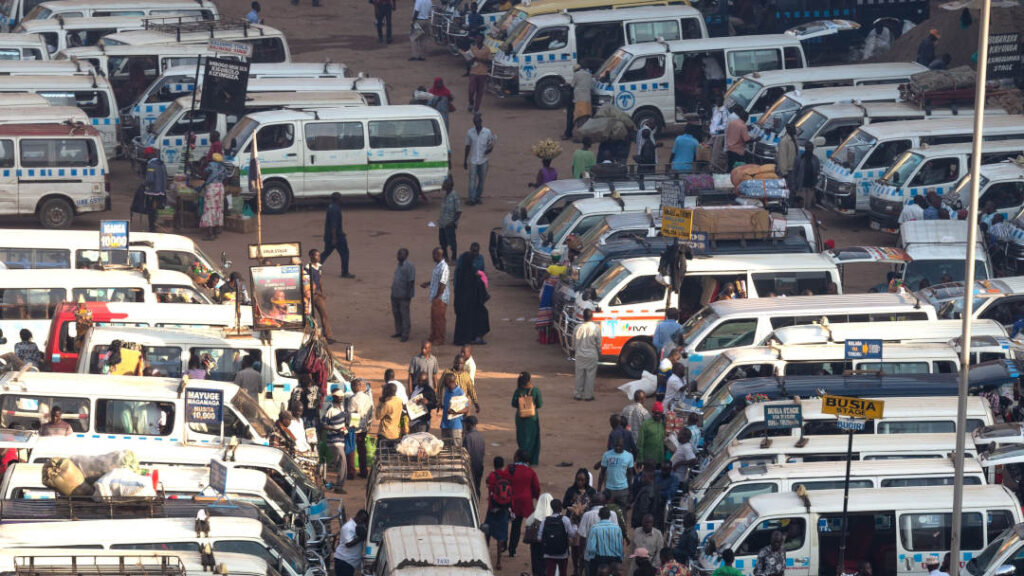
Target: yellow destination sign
{"points": [[676, 222], [852, 407]]}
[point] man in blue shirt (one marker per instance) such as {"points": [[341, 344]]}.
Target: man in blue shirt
{"points": [[617, 474], [451, 419], [684, 151], [604, 543], [666, 328], [253, 17]]}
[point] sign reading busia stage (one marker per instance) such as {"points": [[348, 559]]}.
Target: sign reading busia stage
{"points": [[779, 417], [852, 407], [224, 86], [204, 406]]}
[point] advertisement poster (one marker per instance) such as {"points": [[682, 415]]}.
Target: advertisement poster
{"points": [[224, 85], [277, 297]]}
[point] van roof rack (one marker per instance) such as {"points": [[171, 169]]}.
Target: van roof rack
{"points": [[179, 25], [127, 564], [451, 464]]}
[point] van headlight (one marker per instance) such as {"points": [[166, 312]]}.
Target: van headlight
{"points": [[515, 243]]}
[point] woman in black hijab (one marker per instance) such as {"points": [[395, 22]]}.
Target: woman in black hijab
{"points": [[471, 318]]}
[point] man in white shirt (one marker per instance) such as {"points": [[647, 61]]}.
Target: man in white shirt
{"points": [[400, 391], [439, 293], [467, 355], [914, 210], [587, 338], [348, 556], [675, 386], [479, 144], [420, 24], [590, 517]]}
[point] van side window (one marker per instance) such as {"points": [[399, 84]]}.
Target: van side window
{"points": [[691, 28], [916, 427], [596, 42], [1004, 195], [937, 171], [334, 136], [10, 54], [175, 260], [793, 57], [134, 417], [33, 258], [269, 50], [814, 368], [193, 121], [275, 137], [794, 528], [23, 412], [553, 38], [92, 259], [29, 303], [949, 367], [738, 496], [178, 294], [892, 316], [768, 97], [894, 367], [932, 531], [835, 135], [404, 133], [179, 546], [746, 61], [651, 31], [730, 334], [836, 484], [58, 152], [998, 520], [640, 290], [649, 68], [282, 362], [885, 153], [245, 547], [792, 283], [109, 294], [227, 361], [823, 427], [925, 481]]}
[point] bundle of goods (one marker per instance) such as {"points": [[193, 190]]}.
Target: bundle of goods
{"points": [[944, 87], [420, 445], [772, 189], [697, 184], [752, 172], [1010, 100], [105, 476], [733, 222], [547, 149]]}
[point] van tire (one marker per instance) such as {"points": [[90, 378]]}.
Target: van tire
{"points": [[401, 193], [649, 115], [548, 94], [637, 356], [56, 213], [277, 197]]}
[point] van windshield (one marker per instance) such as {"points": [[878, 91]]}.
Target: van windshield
{"points": [[940, 271], [698, 323], [979, 565], [808, 125], [250, 409], [239, 135], [38, 13], [563, 223], [507, 23], [286, 548], [728, 432], [743, 91], [713, 372], [780, 113], [312, 492], [519, 35], [708, 500], [902, 169], [540, 198], [852, 151], [419, 511], [611, 68], [717, 403], [609, 281], [962, 191], [734, 527], [165, 119]]}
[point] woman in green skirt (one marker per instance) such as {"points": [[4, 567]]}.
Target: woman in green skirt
{"points": [[527, 402]]}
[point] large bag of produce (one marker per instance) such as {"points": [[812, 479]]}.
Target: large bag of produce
{"points": [[773, 189], [419, 445], [751, 172], [62, 475], [122, 483]]}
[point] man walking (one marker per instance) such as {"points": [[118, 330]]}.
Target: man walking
{"points": [[420, 24], [424, 363], [439, 295], [334, 235], [382, 10], [451, 416], [155, 186], [588, 351], [316, 291], [335, 425], [479, 57], [448, 220], [617, 474], [604, 543], [403, 283], [479, 144], [736, 138]]}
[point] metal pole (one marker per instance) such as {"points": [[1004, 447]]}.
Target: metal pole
{"points": [[191, 112], [841, 568], [972, 240]]}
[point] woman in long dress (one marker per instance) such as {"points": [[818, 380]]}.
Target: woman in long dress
{"points": [[527, 424], [213, 197], [472, 321]]}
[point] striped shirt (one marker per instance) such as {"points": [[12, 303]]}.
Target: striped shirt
{"points": [[335, 423], [604, 539], [438, 277]]}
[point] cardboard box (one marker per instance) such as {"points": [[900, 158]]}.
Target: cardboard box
{"points": [[239, 224], [735, 223]]}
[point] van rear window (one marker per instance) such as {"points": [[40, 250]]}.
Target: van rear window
{"points": [[58, 153], [29, 303], [94, 103], [404, 133], [92, 259], [24, 412], [109, 294], [35, 258]]}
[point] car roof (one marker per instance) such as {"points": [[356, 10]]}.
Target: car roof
{"points": [[929, 151], [838, 94], [853, 71], [995, 123], [729, 262], [70, 384], [837, 443], [803, 304], [428, 547], [123, 531], [194, 336], [619, 14], [893, 467], [896, 407], [874, 499], [327, 113], [707, 44]]}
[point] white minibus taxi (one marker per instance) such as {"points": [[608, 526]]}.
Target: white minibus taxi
{"points": [[45, 68], [1002, 184], [127, 407], [170, 132], [825, 331], [538, 60], [868, 152], [396, 153], [45, 114], [56, 560], [52, 172], [19, 10], [93, 94], [741, 484], [169, 350], [268, 44], [919, 171], [453, 550], [61, 33], [17, 47], [661, 82], [178, 81], [227, 534], [894, 529], [756, 92]]}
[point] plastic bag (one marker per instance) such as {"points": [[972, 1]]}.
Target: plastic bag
{"points": [[122, 483], [93, 467], [648, 383], [419, 445]]}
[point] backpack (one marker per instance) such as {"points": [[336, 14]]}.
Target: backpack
{"points": [[501, 493], [554, 537]]}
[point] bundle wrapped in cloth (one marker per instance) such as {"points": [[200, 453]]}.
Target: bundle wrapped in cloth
{"points": [[752, 172], [767, 189], [122, 483], [419, 445]]}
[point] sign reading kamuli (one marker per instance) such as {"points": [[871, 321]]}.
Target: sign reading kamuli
{"points": [[852, 407]]}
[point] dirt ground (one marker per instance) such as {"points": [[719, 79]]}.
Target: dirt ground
{"points": [[573, 433]]}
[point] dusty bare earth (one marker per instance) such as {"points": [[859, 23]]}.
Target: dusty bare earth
{"points": [[573, 432]]}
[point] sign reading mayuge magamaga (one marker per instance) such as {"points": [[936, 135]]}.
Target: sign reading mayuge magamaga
{"points": [[852, 407]]}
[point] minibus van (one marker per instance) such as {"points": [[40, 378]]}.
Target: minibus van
{"points": [[178, 81], [127, 407], [168, 350], [456, 550], [869, 151], [995, 298], [894, 529], [539, 58], [396, 153], [19, 10], [928, 169], [53, 560], [16, 47], [30, 297], [45, 114], [52, 172], [45, 68], [770, 127], [1002, 184], [741, 484], [170, 132], [62, 33], [903, 415], [661, 82], [910, 331], [756, 92], [268, 44], [629, 301], [226, 534]]}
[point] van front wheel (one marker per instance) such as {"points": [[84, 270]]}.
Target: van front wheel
{"points": [[636, 357], [56, 213], [401, 193], [548, 94], [276, 197]]}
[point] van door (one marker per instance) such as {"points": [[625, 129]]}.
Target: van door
{"points": [[927, 534], [936, 175], [279, 155], [547, 54], [1007, 197], [797, 545], [335, 160], [871, 536], [8, 178]]}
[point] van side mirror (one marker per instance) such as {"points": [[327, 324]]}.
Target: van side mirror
{"points": [[818, 141]]}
